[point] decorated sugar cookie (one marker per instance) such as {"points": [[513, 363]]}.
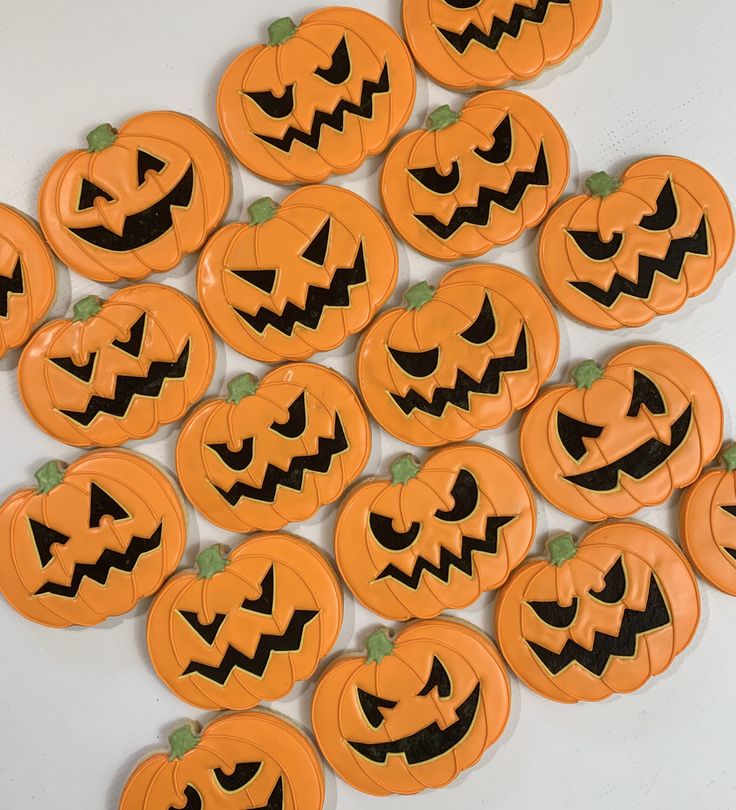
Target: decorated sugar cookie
{"points": [[319, 98], [275, 451], [459, 358], [475, 179], [465, 44], [414, 711], [245, 626], [91, 540], [623, 436], [299, 277], [435, 536], [118, 369], [137, 199], [27, 278], [637, 247], [708, 523], [599, 617], [246, 760]]}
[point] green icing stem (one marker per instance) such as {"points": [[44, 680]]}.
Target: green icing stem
{"points": [[378, 645], [561, 549], [182, 740]]}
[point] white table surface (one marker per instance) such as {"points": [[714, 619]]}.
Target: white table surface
{"points": [[78, 708]]}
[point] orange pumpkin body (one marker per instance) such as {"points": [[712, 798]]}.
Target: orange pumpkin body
{"points": [[273, 452], [639, 246], [414, 713], [119, 369], [246, 626], [436, 536], [300, 277], [91, 541], [599, 618], [27, 278], [465, 44], [138, 199], [458, 359], [476, 179], [250, 759], [319, 98], [622, 437]]}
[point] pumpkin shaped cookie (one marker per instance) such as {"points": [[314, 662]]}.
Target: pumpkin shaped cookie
{"points": [[27, 278], [475, 179], [435, 536], [600, 617], [138, 199], [708, 523], [244, 760], [459, 358], [413, 711], [275, 451], [91, 540], [245, 626], [319, 98], [119, 369], [639, 246], [300, 277], [623, 436], [465, 44]]}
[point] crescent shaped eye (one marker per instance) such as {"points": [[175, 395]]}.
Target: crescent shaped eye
{"points": [[339, 69], [594, 247], [236, 460], [430, 178], [296, 422], [465, 496], [371, 706], [614, 586], [500, 150], [275, 106], [88, 193], [243, 774], [439, 680], [645, 393], [554, 614], [665, 214], [483, 327], [416, 364], [572, 432], [382, 528]]}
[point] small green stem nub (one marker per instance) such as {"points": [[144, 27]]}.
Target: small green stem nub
{"points": [[281, 31], [601, 184], [418, 295], [101, 137], [262, 210], [244, 385], [182, 740], [442, 118], [586, 373], [50, 475], [211, 561], [404, 469], [378, 645], [729, 457], [87, 308], [561, 549]]}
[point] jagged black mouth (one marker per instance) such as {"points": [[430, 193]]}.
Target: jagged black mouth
{"points": [[633, 624], [335, 119], [670, 266], [480, 214], [293, 477], [639, 463], [500, 27], [448, 561], [108, 561], [459, 396], [429, 743], [337, 295], [10, 285], [289, 641], [146, 226], [128, 387]]}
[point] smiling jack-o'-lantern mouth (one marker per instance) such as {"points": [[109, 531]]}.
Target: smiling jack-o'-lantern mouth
{"points": [[11, 285]]}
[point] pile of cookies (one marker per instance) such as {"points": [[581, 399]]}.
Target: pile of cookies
{"points": [[301, 274]]}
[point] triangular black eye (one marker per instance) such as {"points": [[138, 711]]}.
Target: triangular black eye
{"points": [[572, 432], [264, 603], [45, 537], [263, 279], [208, 632], [383, 530], [483, 327], [731, 510], [416, 364], [275, 106], [88, 193], [645, 393], [134, 342], [101, 504], [439, 680], [243, 774], [500, 150], [83, 373], [594, 247], [147, 162], [465, 496], [665, 215], [236, 460], [614, 586], [316, 251], [554, 614], [372, 705], [296, 422], [339, 69]]}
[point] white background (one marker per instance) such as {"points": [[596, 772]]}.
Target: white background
{"points": [[78, 708]]}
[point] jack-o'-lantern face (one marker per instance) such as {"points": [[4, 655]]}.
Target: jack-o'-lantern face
{"points": [[625, 436], [639, 246], [319, 98], [273, 452], [598, 618], [458, 359], [244, 761], [477, 178]]}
